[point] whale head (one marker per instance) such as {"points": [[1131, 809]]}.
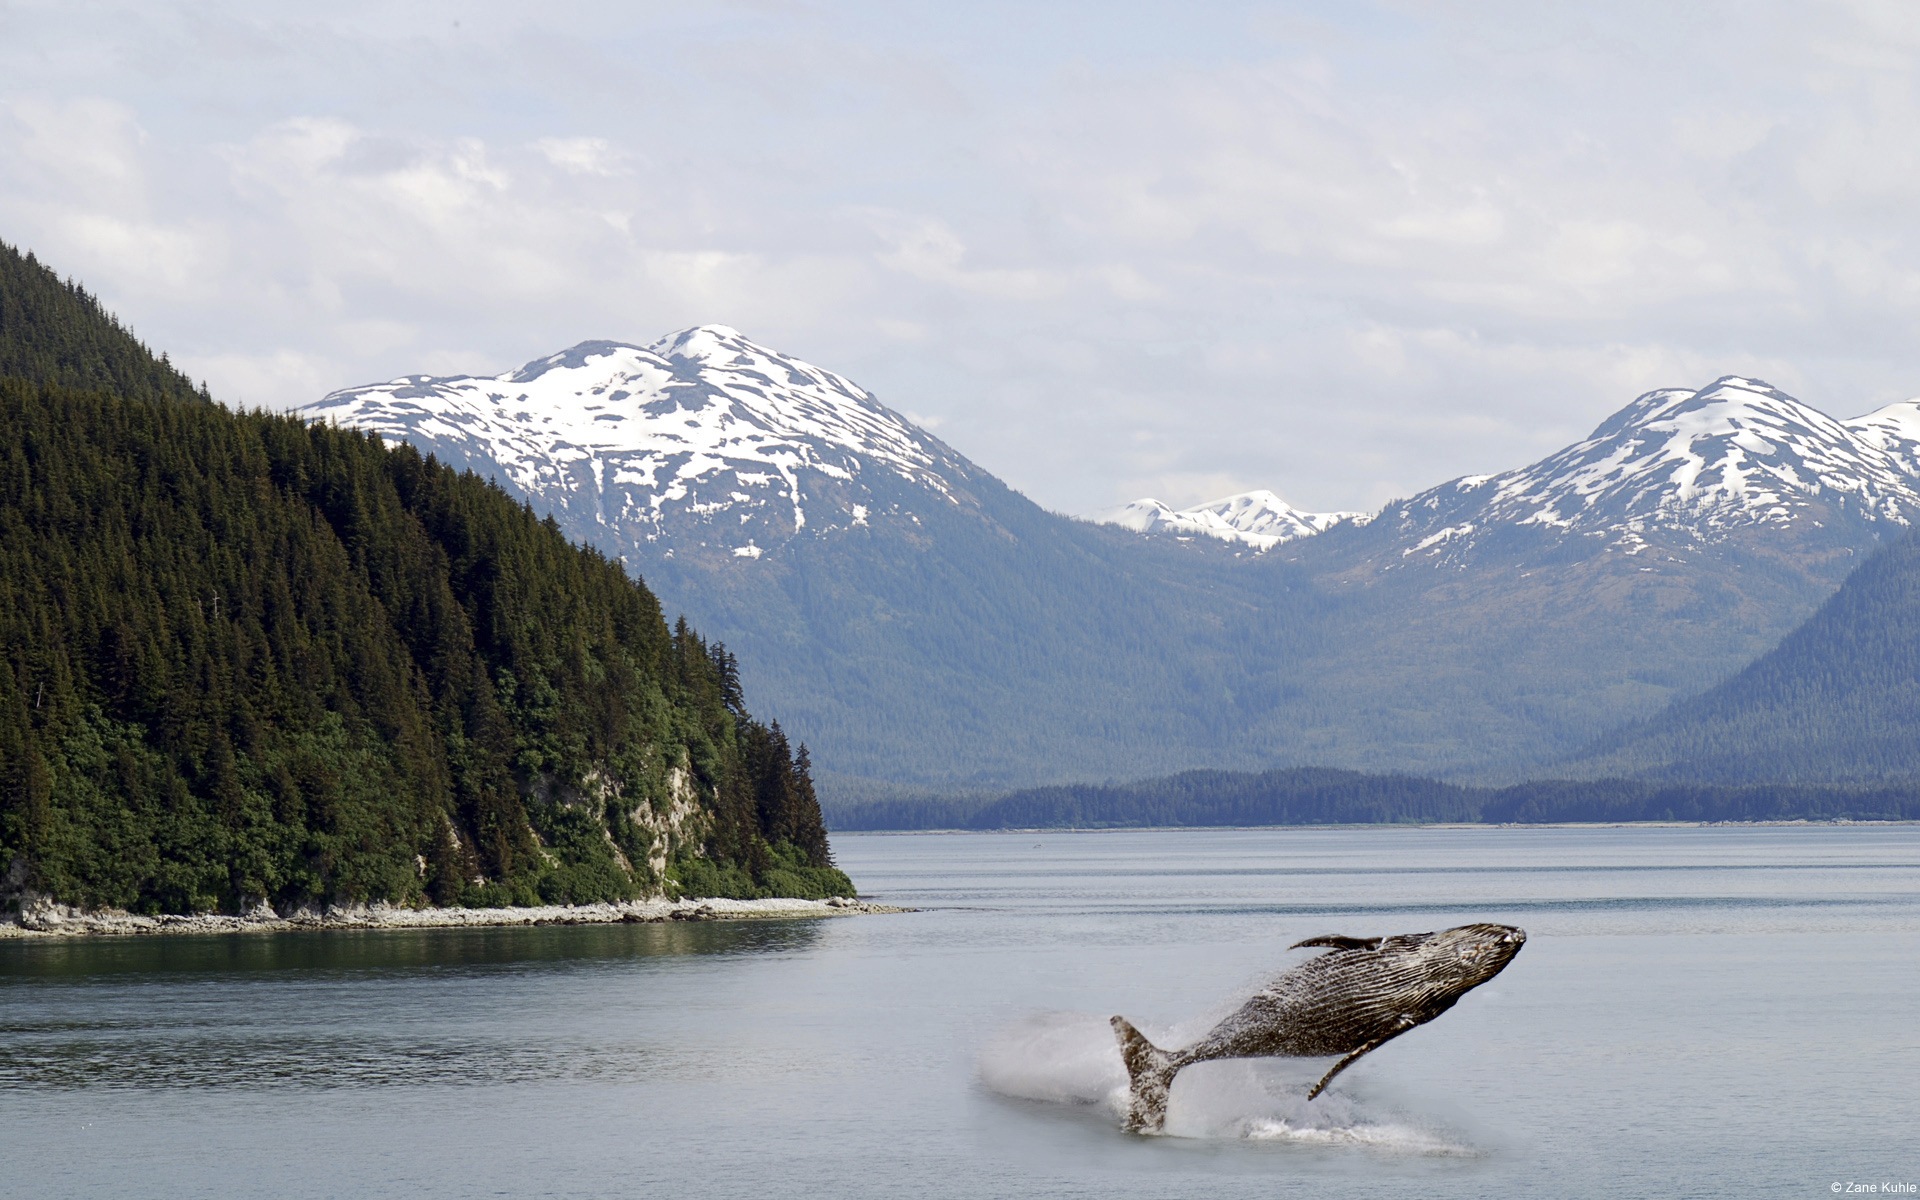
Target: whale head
{"points": [[1452, 962]]}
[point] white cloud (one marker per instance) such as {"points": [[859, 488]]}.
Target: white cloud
{"points": [[80, 143], [1342, 257], [929, 250], [582, 155], [154, 257], [77, 171]]}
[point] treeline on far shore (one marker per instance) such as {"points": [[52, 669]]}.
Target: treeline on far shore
{"points": [[1321, 796]]}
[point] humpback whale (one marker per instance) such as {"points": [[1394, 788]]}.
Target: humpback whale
{"points": [[1359, 995]]}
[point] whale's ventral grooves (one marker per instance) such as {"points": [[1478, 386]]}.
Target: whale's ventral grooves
{"points": [[1350, 1001]]}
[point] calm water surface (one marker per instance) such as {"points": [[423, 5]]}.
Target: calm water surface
{"points": [[1699, 1012]]}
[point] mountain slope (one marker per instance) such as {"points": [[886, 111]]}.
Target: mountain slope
{"points": [[246, 659], [1838, 700]]}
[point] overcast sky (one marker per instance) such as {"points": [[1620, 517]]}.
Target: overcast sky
{"points": [[1106, 250]]}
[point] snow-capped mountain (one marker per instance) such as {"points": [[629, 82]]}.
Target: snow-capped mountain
{"points": [[1736, 455], [1258, 519], [912, 618], [704, 438], [900, 610]]}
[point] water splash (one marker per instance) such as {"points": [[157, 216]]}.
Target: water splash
{"points": [[1063, 1058], [1072, 1059]]}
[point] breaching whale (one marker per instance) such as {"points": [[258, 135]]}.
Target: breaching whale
{"points": [[1359, 995]]}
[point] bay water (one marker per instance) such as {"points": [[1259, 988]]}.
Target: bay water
{"points": [[1730, 1011]]}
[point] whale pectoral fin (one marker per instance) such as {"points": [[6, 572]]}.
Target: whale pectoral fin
{"points": [[1354, 1056], [1338, 942]]}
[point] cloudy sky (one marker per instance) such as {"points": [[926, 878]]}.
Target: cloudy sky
{"points": [[1106, 250]]}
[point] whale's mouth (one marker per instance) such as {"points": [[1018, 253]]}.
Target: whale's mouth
{"points": [[1508, 943]]}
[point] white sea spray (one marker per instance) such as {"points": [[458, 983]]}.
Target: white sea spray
{"points": [[1072, 1059]]}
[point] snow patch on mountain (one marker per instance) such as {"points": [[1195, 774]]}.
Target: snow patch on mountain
{"points": [[1894, 429], [703, 428], [1259, 519]]}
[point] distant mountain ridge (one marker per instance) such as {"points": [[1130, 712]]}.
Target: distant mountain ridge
{"points": [[1738, 452], [1259, 519], [915, 620], [706, 437], [1318, 796]]}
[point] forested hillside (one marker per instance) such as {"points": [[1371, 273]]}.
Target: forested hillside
{"points": [[1837, 701], [245, 659], [53, 332]]}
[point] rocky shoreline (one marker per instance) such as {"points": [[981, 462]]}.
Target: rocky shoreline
{"points": [[45, 919]]}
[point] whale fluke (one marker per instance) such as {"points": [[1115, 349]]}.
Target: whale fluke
{"points": [[1150, 1072]]}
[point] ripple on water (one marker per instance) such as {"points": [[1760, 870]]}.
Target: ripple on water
{"points": [[325, 1062]]}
